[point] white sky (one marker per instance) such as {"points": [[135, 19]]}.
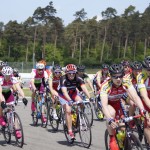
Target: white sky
{"points": [[20, 10]]}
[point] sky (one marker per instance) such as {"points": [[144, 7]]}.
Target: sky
{"points": [[20, 10]]}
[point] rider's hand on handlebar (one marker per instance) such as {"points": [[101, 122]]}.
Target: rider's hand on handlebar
{"points": [[143, 112], [70, 102]]}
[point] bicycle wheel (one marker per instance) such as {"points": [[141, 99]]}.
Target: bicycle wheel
{"points": [[89, 112], [98, 111], [6, 131], [69, 140], [16, 100], [54, 123], [106, 140], [34, 118], [85, 130], [18, 128], [132, 142], [45, 113]]}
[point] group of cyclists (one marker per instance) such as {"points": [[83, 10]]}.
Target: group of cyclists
{"points": [[126, 81]]}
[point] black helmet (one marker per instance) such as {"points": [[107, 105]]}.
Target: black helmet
{"points": [[125, 63], [116, 68], [146, 62], [136, 65], [57, 68], [105, 66], [2, 63], [15, 70], [81, 68]]}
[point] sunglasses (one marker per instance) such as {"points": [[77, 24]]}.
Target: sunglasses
{"points": [[116, 77], [57, 72], [40, 69], [71, 73]]}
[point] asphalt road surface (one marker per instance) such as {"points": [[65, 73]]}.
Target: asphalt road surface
{"points": [[38, 138]]}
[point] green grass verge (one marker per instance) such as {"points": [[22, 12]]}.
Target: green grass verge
{"points": [[27, 92]]}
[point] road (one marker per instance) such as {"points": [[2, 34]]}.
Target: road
{"points": [[38, 138]]}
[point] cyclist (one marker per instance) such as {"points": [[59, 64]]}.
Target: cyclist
{"points": [[127, 68], [53, 86], [6, 96], [111, 93], [101, 76], [143, 85], [38, 79], [84, 76], [2, 64], [68, 93]]}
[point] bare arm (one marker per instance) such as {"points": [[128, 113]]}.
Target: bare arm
{"points": [[1, 96], [32, 84], [85, 90], [65, 93], [133, 95]]}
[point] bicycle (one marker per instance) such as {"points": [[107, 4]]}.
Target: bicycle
{"points": [[13, 125], [16, 97], [129, 140], [87, 108], [80, 125], [98, 108], [41, 103]]}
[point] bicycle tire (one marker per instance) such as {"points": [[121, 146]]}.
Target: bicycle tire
{"points": [[85, 130], [19, 141], [131, 141], [98, 111], [45, 107], [70, 141], [6, 131], [54, 123], [89, 112], [106, 139]]}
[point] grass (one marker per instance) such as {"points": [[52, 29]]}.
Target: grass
{"points": [[27, 92]]}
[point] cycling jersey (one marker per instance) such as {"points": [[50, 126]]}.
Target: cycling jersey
{"points": [[6, 88], [84, 77], [55, 81], [128, 74], [39, 79]]}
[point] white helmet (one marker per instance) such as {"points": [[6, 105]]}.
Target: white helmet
{"points": [[2, 63], [40, 66], [7, 70]]}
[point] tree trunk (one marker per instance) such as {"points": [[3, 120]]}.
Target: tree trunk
{"points": [[55, 43], [88, 50], [109, 52], [33, 54], [145, 47], [134, 52], [80, 51], [103, 46], [44, 42], [119, 47], [27, 50], [75, 42], [125, 47]]}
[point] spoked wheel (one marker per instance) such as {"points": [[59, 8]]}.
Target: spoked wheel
{"points": [[70, 141], [98, 111], [85, 130], [106, 140], [6, 133], [16, 100], [132, 143], [45, 113], [54, 123], [34, 118], [18, 130], [89, 112]]}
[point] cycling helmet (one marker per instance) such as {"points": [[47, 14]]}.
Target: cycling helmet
{"points": [[125, 63], [71, 67], [7, 70], [81, 68], [15, 70], [116, 68], [105, 66], [2, 63], [146, 62], [57, 68], [136, 65], [40, 66]]}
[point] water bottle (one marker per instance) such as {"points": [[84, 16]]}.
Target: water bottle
{"points": [[74, 118], [120, 137]]}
